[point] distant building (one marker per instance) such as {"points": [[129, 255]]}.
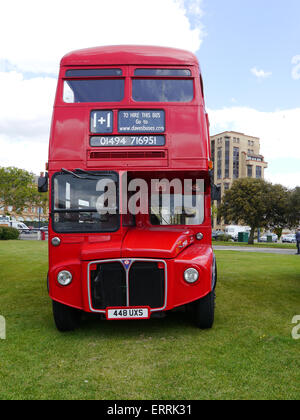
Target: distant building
{"points": [[235, 155], [31, 215]]}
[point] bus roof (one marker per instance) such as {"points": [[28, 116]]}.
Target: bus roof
{"points": [[129, 55]]}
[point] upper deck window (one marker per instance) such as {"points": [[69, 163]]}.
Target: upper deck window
{"points": [[163, 72], [93, 72], [93, 90], [163, 90]]}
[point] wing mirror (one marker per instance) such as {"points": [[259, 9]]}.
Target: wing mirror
{"points": [[215, 189], [43, 183]]}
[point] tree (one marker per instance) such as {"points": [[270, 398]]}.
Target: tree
{"points": [[278, 208], [294, 208], [35, 198], [256, 203], [18, 189], [214, 210]]}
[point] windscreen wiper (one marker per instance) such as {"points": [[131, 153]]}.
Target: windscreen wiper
{"points": [[66, 171], [93, 173], [82, 171]]}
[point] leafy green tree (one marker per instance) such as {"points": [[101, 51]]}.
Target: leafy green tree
{"points": [[256, 203], [35, 198], [278, 208], [18, 189], [294, 208], [214, 210]]}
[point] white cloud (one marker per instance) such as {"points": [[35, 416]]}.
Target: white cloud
{"points": [[25, 115], [194, 10], [37, 33], [260, 74], [290, 180], [194, 7], [25, 105], [296, 68], [278, 132], [24, 154]]}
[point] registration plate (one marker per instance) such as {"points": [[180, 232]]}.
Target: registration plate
{"points": [[128, 313]]}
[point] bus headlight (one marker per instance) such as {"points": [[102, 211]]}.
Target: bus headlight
{"points": [[191, 275], [64, 278]]}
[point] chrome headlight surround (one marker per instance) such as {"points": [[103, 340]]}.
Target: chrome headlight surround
{"points": [[64, 278], [191, 275]]}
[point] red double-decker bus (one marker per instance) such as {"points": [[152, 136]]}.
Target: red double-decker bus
{"points": [[129, 176]]}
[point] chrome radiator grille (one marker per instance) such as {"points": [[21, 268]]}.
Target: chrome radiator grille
{"points": [[121, 283]]}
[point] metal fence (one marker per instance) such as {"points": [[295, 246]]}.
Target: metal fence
{"points": [[33, 235]]}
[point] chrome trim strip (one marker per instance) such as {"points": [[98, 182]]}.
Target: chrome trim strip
{"points": [[127, 283], [133, 260]]}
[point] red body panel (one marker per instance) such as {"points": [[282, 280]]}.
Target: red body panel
{"points": [[129, 55], [186, 149], [154, 243]]}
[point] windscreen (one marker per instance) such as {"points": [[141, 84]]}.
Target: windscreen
{"points": [[175, 209], [177, 201], [77, 203]]}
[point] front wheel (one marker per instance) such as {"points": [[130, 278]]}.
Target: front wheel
{"points": [[65, 317], [205, 311]]}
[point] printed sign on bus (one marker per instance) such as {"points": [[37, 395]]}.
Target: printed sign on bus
{"points": [[101, 122], [141, 121]]}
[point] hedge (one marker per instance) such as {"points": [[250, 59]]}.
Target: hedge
{"points": [[7, 233], [224, 238]]}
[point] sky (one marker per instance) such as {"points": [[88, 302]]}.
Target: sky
{"points": [[249, 52]]}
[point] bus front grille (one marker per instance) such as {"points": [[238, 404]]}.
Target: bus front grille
{"points": [[146, 285], [113, 284], [108, 285]]}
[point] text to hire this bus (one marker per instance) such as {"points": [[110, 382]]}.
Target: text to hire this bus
{"points": [[129, 180]]}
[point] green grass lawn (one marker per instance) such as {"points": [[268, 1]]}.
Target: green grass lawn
{"points": [[257, 245], [249, 354]]}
